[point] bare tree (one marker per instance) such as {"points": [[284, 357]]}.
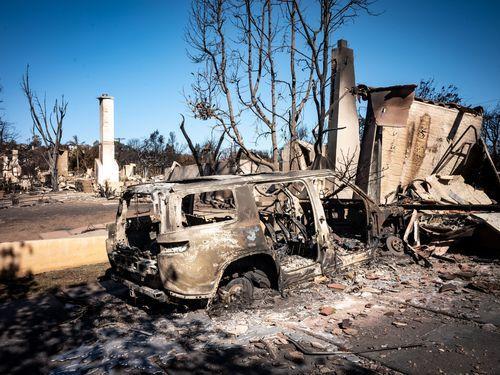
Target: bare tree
{"points": [[299, 94], [208, 156], [7, 131], [7, 140], [237, 44], [206, 35], [491, 133], [48, 124], [428, 90], [319, 35], [246, 70], [257, 29], [7, 134], [267, 36]]}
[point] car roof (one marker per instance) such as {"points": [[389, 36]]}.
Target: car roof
{"points": [[221, 181]]}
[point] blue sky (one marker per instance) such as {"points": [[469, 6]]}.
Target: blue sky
{"points": [[135, 51]]}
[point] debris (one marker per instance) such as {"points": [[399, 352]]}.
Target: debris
{"points": [[146, 333], [399, 324], [440, 248], [466, 275], [359, 352], [480, 286], [345, 323], [448, 287], [447, 275], [282, 338], [259, 345], [444, 258], [318, 345], [84, 185], [447, 226], [492, 219], [327, 310], [464, 267], [320, 279], [448, 190], [238, 329], [271, 348], [418, 134], [350, 275], [336, 286], [371, 290], [350, 331], [489, 327], [336, 331], [295, 356]]}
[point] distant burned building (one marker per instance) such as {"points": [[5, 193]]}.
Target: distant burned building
{"points": [[11, 169], [406, 138], [62, 163]]}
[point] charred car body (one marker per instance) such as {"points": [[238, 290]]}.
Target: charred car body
{"points": [[220, 235]]}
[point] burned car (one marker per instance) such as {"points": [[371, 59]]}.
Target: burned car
{"points": [[220, 236]]}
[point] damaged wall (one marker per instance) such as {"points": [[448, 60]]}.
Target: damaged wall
{"points": [[413, 151], [410, 143]]}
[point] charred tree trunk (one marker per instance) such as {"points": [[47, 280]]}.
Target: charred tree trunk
{"points": [[48, 124]]}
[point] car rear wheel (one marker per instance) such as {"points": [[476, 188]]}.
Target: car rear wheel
{"points": [[258, 279], [238, 290]]}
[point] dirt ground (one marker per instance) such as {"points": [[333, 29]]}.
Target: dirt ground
{"points": [[65, 211], [389, 316]]}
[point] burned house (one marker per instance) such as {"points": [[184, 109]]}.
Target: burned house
{"points": [[11, 169], [428, 160], [407, 138]]}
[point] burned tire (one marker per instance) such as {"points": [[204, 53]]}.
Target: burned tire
{"points": [[395, 245], [237, 291], [259, 279]]}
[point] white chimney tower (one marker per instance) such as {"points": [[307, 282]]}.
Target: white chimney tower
{"points": [[106, 167]]}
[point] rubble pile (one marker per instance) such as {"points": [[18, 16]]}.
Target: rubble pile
{"points": [[444, 190]]}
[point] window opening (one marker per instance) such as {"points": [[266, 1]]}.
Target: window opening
{"points": [[208, 207], [286, 215], [143, 223], [346, 217]]}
